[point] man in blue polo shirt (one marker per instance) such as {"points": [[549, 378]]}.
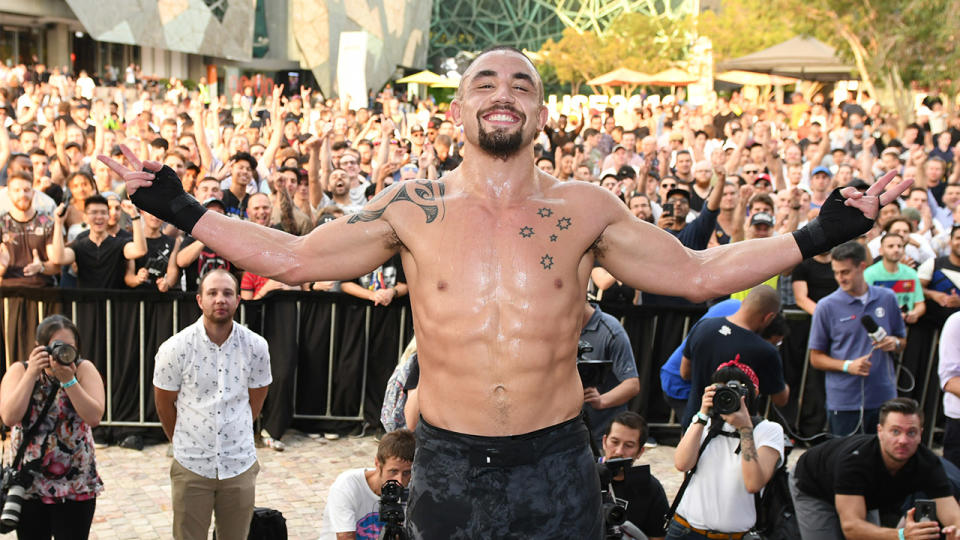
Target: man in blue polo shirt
{"points": [[860, 375]]}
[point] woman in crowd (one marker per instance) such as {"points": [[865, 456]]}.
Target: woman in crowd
{"points": [[737, 462], [60, 496]]}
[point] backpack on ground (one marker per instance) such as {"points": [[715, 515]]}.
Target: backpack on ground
{"points": [[267, 524], [776, 517]]}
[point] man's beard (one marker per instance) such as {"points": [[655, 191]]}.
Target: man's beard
{"points": [[23, 204], [498, 143]]}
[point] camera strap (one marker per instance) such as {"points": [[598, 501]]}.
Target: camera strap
{"points": [[32, 430], [716, 428]]}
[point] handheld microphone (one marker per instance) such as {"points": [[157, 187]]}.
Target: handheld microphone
{"points": [[876, 332]]}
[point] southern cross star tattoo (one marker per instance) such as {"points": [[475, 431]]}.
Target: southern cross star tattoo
{"points": [[546, 261], [563, 223], [544, 212], [526, 232], [553, 238]]}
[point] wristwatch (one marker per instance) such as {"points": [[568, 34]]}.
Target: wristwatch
{"points": [[699, 418]]}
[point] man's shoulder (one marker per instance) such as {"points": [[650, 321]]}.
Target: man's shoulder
{"points": [[351, 480]]}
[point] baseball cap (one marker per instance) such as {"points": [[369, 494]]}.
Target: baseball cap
{"points": [[761, 218], [213, 200], [618, 147], [608, 172], [678, 191], [729, 145], [676, 136], [891, 150], [763, 177], [822, 169]]}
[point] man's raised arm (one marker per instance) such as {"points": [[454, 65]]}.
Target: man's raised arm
{"points": [[641, 255], [339, 250]]}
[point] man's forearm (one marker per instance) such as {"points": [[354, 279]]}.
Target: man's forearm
{"points": [[168, 417], [621, 393]]}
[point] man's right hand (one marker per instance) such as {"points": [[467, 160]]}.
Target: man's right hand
{"points": [[665, 222], [39, 360], [591, 397], [922, 530], [860, 366]]}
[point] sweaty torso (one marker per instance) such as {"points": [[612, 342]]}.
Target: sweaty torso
{"points": [[497, 292]]}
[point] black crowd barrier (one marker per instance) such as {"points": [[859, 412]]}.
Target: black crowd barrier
{"points": [[331, 354]]}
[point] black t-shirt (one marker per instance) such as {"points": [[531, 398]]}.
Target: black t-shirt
{"points": [[819, 278], [647, 502], [716, 340], [233, 205], [720, 120], [208, 260], [854, 466], [156, 259], [103, 266]]}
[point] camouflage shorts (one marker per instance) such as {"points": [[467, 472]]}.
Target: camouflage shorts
{"points": [[539, 485]]}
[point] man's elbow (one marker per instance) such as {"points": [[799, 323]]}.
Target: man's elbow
{"points": [[781, 398]]}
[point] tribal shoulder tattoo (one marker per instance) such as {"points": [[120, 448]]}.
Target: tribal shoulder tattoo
{"points": [[426, 194]]}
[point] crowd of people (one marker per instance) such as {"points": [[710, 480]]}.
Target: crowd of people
{"points": [[713, 174]]}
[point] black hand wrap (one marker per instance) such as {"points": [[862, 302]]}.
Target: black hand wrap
{"points": [[836, 224], [167, 200]]}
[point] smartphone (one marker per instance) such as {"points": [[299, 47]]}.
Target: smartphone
{"points": [[925, 510], [668, 209]]}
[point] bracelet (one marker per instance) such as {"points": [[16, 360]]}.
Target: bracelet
{"points": [[846, 366], [900, 533], [136, 217], [69, 383], [700, 418]]}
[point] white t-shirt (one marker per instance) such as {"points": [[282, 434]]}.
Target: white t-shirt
{"points": [[717, 499], [351, 507]]}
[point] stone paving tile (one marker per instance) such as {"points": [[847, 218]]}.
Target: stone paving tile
{"points": [[135, 503]]}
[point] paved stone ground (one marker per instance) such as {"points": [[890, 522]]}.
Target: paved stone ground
{"points": [[136, 501]]}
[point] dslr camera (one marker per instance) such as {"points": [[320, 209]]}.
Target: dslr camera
{"points": [[62, 353], [156, 267], [727, 398], [392, 497], [17, 482]]}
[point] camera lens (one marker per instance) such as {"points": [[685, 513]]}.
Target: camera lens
{"points": [[63, 353], [726, 400]]}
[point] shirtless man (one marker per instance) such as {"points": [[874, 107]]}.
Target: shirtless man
{"points": [[497, 257]]}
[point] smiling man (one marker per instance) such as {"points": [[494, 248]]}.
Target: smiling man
{"points": [[497, 258]]}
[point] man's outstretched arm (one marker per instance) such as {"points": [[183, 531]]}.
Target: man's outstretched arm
{"points": [[339, 250], [651, 260]]}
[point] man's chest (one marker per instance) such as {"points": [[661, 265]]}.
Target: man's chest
{"points": [[526, 246]]}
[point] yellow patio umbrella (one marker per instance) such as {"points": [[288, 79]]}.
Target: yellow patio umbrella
{"points": [[749, 78], [425, 77], [620, 77], [446, 82], [672, 77]]}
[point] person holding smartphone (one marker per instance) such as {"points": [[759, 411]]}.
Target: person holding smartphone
{"points": [[840, 487]]}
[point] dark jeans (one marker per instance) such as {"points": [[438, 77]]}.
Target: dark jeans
{"points": [[538, 485], [951, 441], [843, 423], [63, 521]]}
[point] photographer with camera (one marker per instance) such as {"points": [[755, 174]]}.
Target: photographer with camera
{"points": [[51, 401], [731, 455], [644, 494], [353, 510], [840, 487], [157, 270]]}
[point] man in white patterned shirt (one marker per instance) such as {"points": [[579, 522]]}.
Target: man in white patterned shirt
{"points": [[210, 381]]}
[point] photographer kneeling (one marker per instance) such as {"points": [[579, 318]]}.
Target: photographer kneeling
{"points": [[738, 459], [52, 401]]}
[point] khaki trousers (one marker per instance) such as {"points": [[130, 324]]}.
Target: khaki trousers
{"points": [[196, 497]]}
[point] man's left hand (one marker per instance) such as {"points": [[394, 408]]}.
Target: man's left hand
{"points": [[592, 397], [888, 344]]}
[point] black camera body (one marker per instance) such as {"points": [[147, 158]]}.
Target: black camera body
{"points": [[726, 400], [392, 497], [156, 267], [62, 353]]}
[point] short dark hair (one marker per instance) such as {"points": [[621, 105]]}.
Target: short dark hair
{"points": [[891, 235], [245, 156], [902, 405], [538, 82], [51, 325], [96, 198], [851, 251], [887, 225], [633, 421], [400, 444]]}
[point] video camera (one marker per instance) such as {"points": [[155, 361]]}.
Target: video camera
{"points": [[614, 510], [392, 497]]}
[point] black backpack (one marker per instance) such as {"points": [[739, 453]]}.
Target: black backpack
{"points": [[267, 524], [776, 517]]}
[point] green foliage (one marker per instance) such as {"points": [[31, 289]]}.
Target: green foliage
{"points": [[742, 27], [633, 40]]}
